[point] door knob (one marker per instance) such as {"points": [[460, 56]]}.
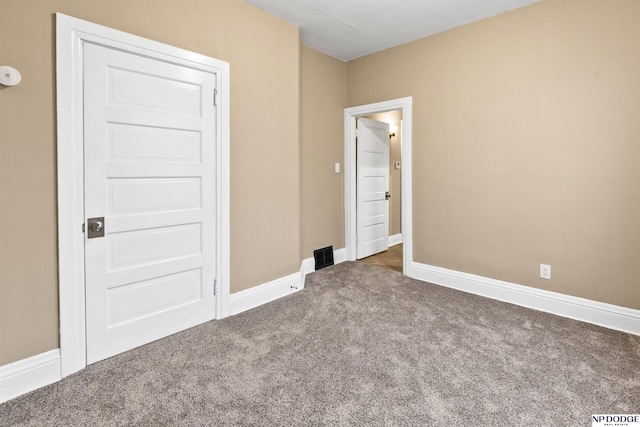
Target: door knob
{"points": [[96, 227], [387, 196]]}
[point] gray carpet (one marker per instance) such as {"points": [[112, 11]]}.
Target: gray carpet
{"points": [[360, 345]]}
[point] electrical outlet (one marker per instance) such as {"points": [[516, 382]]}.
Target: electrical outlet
{"points": [[545, 271]]}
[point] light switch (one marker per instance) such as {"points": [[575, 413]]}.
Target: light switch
{"points": [[337, 167], [397, 165]]}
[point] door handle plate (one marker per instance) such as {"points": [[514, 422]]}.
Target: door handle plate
{"points": [[95, 227]]}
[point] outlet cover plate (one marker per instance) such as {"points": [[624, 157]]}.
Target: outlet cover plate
{"points": [[545, 271]]}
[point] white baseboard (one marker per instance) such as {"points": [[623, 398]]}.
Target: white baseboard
{"points": [[29, 374], [262, 294], [339, 255], [396, 239], [307, 266], [267, 292], [602, 314]]}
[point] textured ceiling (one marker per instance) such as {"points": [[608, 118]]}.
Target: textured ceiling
{"points": [[349, 29]]}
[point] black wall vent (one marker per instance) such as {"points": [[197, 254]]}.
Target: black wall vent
{"points": [[323, 257]]}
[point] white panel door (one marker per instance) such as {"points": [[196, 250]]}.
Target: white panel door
{"points": [[149, 150], [372, 187]]}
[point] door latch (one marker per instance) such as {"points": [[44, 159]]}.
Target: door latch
{"points": [[95, 227]]}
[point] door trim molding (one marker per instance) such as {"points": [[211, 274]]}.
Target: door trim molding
{"points": [[71, 34], [350, 203]]}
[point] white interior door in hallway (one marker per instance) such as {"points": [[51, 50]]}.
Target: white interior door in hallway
{"points": [[372, 187], [149, 163]]}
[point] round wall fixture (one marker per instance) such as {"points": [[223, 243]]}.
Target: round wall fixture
{"points": [[9, 76]]}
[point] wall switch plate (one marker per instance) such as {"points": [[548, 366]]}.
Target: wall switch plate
{"points": [[545, 271], [396, 165], [337, 167]]}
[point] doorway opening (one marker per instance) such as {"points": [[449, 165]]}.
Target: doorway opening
{"points": [[388, 253], [402, 108], [391, 258]]}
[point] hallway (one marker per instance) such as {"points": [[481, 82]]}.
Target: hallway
{"points": [[391, 258]]}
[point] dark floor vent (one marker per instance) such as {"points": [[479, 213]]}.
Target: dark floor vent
{"points": [[323, 257]]}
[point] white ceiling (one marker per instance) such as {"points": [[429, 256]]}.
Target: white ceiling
{"points": [[349, 29]]}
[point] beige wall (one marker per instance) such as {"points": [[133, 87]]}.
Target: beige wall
{"points": [[323, 102], [264, 53], [526, 144], [393, 118]]}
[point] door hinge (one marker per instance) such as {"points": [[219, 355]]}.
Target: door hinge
{"points": [[215, 96], [215, 287], [83, 227]]}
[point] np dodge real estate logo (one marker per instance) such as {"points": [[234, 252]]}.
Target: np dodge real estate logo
{"points": [[615, 420]]}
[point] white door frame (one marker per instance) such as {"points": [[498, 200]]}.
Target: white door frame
{"points": [[350, 204], [71, 33]]}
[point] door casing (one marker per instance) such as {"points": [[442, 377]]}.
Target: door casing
{"points": [[71, 33], [350, 204]]}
